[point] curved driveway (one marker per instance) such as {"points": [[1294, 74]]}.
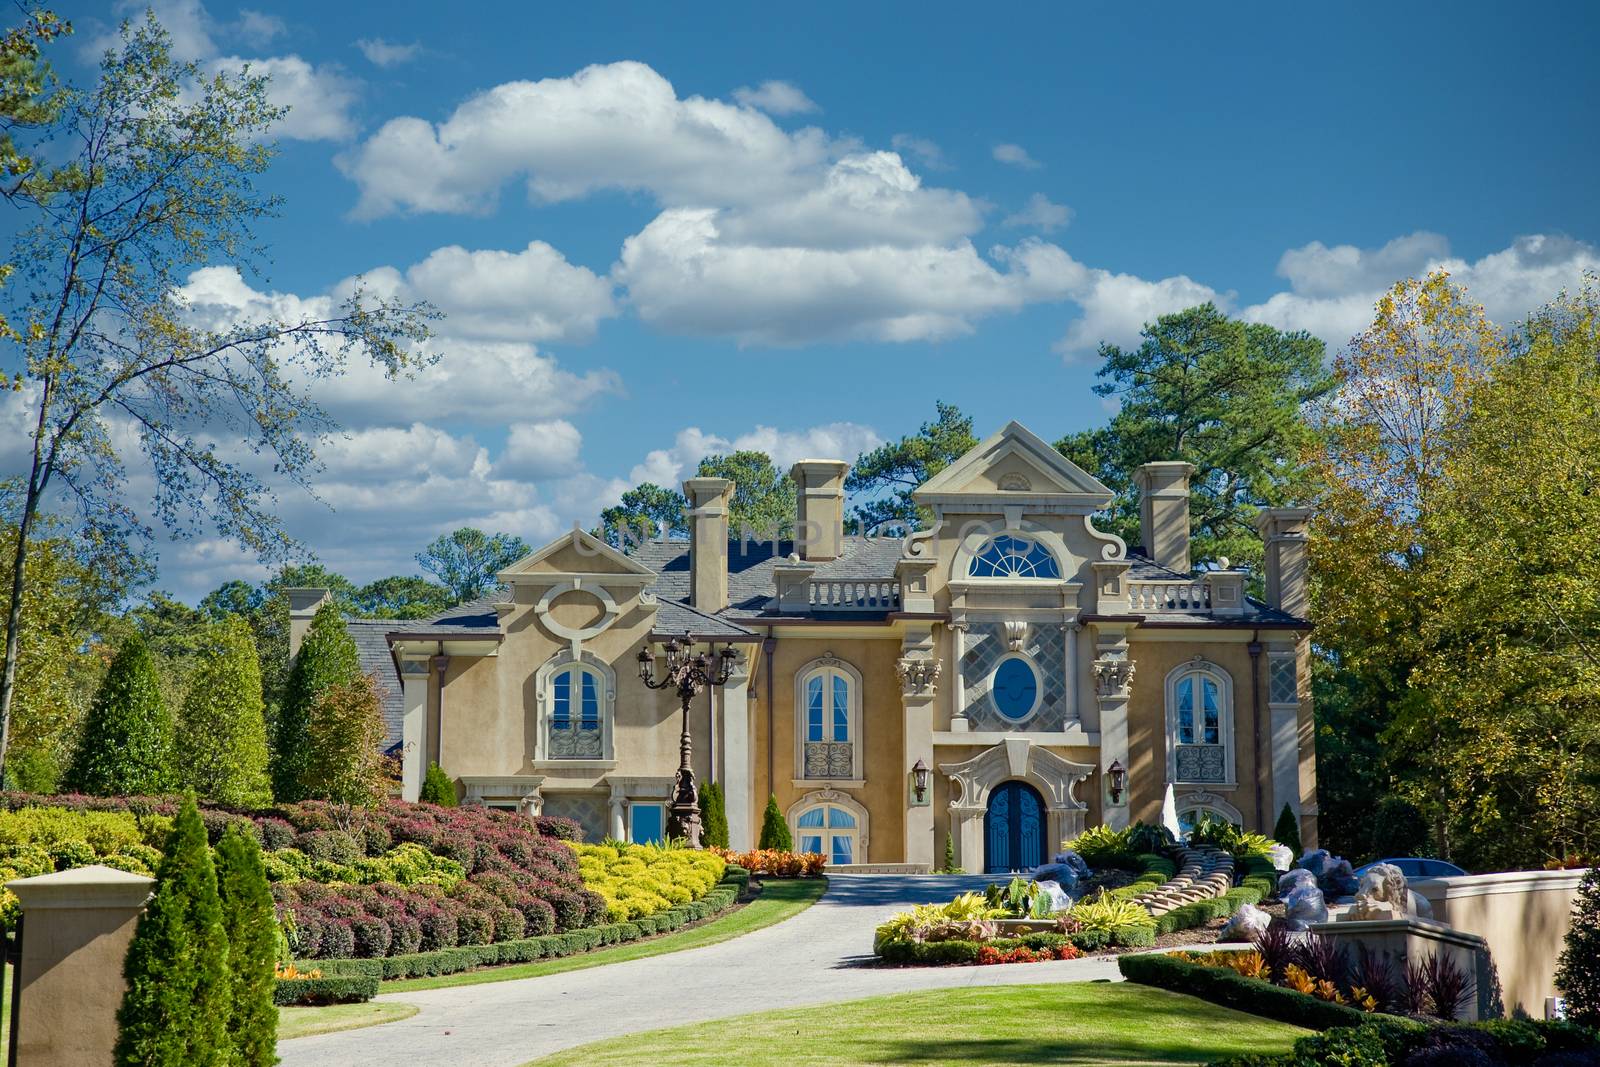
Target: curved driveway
{"points": [[814, 958]]}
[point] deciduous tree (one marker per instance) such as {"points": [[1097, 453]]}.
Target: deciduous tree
{"points": [[344, 757], [222, 734], [327, 659], [466, 560], [154, 178]]}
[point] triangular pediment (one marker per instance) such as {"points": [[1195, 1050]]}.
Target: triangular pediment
{"points": [[573, 553], [1014, 464]]}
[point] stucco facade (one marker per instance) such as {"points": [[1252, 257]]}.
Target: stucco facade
{"points": [[1025, 659]]}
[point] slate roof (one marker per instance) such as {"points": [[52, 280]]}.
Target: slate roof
{"points": [[372, 645]]}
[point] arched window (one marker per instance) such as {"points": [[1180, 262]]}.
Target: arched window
{"points": [[829, 829], [1200, 724], [576, 702], [1009, 556], [1015, 688], [828, 703]]}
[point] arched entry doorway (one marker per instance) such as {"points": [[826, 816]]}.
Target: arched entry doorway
{"points": [[1013, 829]]}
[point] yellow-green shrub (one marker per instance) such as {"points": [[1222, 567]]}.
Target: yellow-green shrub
{"points": [[640, 880]]}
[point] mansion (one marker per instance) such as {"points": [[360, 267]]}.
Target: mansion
{"points": [[1008, 676]]}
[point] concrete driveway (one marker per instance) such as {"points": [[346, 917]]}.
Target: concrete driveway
{"points": [[817, 957]]}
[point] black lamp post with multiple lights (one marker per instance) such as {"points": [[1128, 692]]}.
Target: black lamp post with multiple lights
{"points": [[689, 673]]}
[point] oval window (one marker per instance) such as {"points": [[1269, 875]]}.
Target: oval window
{"points": [[1016, 688]]}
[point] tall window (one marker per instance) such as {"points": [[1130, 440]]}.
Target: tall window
{"points": [[1200, 724], [829, 699], [830, 830], [576, 695], [1008, 556]]}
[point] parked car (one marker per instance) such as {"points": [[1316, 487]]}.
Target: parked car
{"points": [[1417, 867]]}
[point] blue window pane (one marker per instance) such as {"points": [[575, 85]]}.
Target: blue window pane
{"points": [[591, 702], [649, 823], [839, 818], [562, 712], [816, 817], [1186, 711], [843, 849], [811, 843], [1212, 716], [814, 709], [1015, 689], [841, 708]]}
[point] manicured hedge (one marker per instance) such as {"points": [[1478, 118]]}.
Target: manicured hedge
{"points": [[1232, 990], [1385, 1041], [329, 989], [1200, 912], [551, 946], [945, 953]]}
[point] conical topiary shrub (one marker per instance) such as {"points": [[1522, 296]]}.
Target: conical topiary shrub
{"points": [[252, 931], [1287, 831], [222, 732], [774, 829], [126, 745], [713, 815], [437, 788], [1578, 966], [176, 1008], [327, 658]]}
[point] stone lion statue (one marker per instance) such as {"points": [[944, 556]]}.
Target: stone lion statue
{"points": [[1384, 894]]}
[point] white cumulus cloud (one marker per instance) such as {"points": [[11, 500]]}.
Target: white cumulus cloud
{"points": [[775, 98], [381, 53], [1041, 213], [1014, 155]]}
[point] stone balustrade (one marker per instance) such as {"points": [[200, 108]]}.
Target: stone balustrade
{"points": [[1147, 597], [853, 594]]}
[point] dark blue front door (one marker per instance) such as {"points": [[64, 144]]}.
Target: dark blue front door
{"points": [[1013, 829]]}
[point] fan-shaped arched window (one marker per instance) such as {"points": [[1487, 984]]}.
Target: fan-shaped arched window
{"points": [[1009, 556], [830, 830]]}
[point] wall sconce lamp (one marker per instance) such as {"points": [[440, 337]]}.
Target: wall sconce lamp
{"points": [[1118, 778], [919, 780]]}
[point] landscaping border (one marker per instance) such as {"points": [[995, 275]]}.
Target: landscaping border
{"points": [[1231, 990], [522, 950]]}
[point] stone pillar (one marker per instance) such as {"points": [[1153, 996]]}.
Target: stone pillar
{"points": [[77, 925], [738, 758], [1287, 566], [709, 499], [966, 825], [413, 727], [1113, 683], [619, 821], [819, 507], [303, 605], [1164, 513], [919, 668]]}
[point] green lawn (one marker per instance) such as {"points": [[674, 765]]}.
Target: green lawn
{"points": [[303, 1022], [780, 899], [1004, 1026]]}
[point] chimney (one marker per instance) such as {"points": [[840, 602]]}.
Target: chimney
{"points": [[303, 605], [1288, 565], [708, 541], [819, 508], [1164, 513]]}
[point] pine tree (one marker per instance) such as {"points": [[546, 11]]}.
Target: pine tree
{"points": [[438, 788], [176, 1007], [1578, 967], [251, 929], [1287, 831], [774, 829], [713, 815], [126, 744], [327, 658], [222, 732]]}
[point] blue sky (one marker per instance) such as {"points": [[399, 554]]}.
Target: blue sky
{"points": [[660, 231]]}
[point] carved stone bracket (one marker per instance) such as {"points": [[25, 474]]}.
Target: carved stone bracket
{"points": [[1113, 678], [918, 674]]}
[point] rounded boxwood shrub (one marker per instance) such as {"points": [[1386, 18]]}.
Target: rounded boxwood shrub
{"points": [[371, 937], [473, 927], [333, 846], [438, 929], [508, 923], [406, 936], [338, 939], [276, 834]]}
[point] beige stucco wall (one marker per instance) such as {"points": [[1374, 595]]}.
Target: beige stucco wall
{"points": [[1524, 917], [882, 731]]}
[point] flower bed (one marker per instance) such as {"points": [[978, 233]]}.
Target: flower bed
{"points": [[776, 862], [637, 881]]}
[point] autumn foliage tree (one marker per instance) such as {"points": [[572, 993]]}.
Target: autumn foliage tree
{"points": [[344, 734]]}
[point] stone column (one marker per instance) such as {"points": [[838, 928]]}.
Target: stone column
{"points": [[966, 825], [919, 670], [619, 821], [1113, 683], [77, 926], [413, 727], [738, 758]]}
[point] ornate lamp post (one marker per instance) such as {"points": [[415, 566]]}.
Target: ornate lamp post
{"points": [[689, 673]]}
